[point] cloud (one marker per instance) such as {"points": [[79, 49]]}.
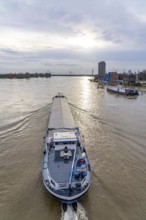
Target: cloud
{"points": [[72, 33]]}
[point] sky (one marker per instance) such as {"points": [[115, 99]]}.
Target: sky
{"points": [[61, 36]]}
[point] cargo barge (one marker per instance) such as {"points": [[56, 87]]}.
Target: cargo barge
{"points": [[65, 167]]}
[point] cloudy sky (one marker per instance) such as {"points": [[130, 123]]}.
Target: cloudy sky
{"points": [[63, 36]]}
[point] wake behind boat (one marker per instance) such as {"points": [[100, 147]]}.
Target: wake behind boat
{"points": [[66, 168]]}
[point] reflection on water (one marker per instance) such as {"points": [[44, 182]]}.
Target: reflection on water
{"points": [[114, 131], [86, 95]]}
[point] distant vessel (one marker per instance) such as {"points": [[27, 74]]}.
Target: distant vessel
{"points": [[123, 91], [66, 168]]}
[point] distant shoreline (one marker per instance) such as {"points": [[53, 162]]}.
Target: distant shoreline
{"points": [[24, 75]]}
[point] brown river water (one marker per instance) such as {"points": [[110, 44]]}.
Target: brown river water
{"points": [[114, 129]]}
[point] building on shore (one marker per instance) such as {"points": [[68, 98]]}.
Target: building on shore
{"points": [[110, 78], [101, 69], [113, 78]]}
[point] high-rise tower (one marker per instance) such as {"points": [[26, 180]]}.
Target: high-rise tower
{"points": [[101, 69]]}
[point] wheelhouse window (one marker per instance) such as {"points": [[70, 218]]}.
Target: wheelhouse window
{"points": [[64, 142]]}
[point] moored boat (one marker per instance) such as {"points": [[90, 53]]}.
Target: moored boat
{"points": [[123, 91], [66, 168]]}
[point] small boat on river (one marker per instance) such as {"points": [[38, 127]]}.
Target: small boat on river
{"points": [[65, 168], [123, 91]]}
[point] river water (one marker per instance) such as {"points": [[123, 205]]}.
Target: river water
{"points": [[114, 130]]}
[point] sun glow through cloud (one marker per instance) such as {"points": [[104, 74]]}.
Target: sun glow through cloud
{"points": [[33, 41], [85, 41]]}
